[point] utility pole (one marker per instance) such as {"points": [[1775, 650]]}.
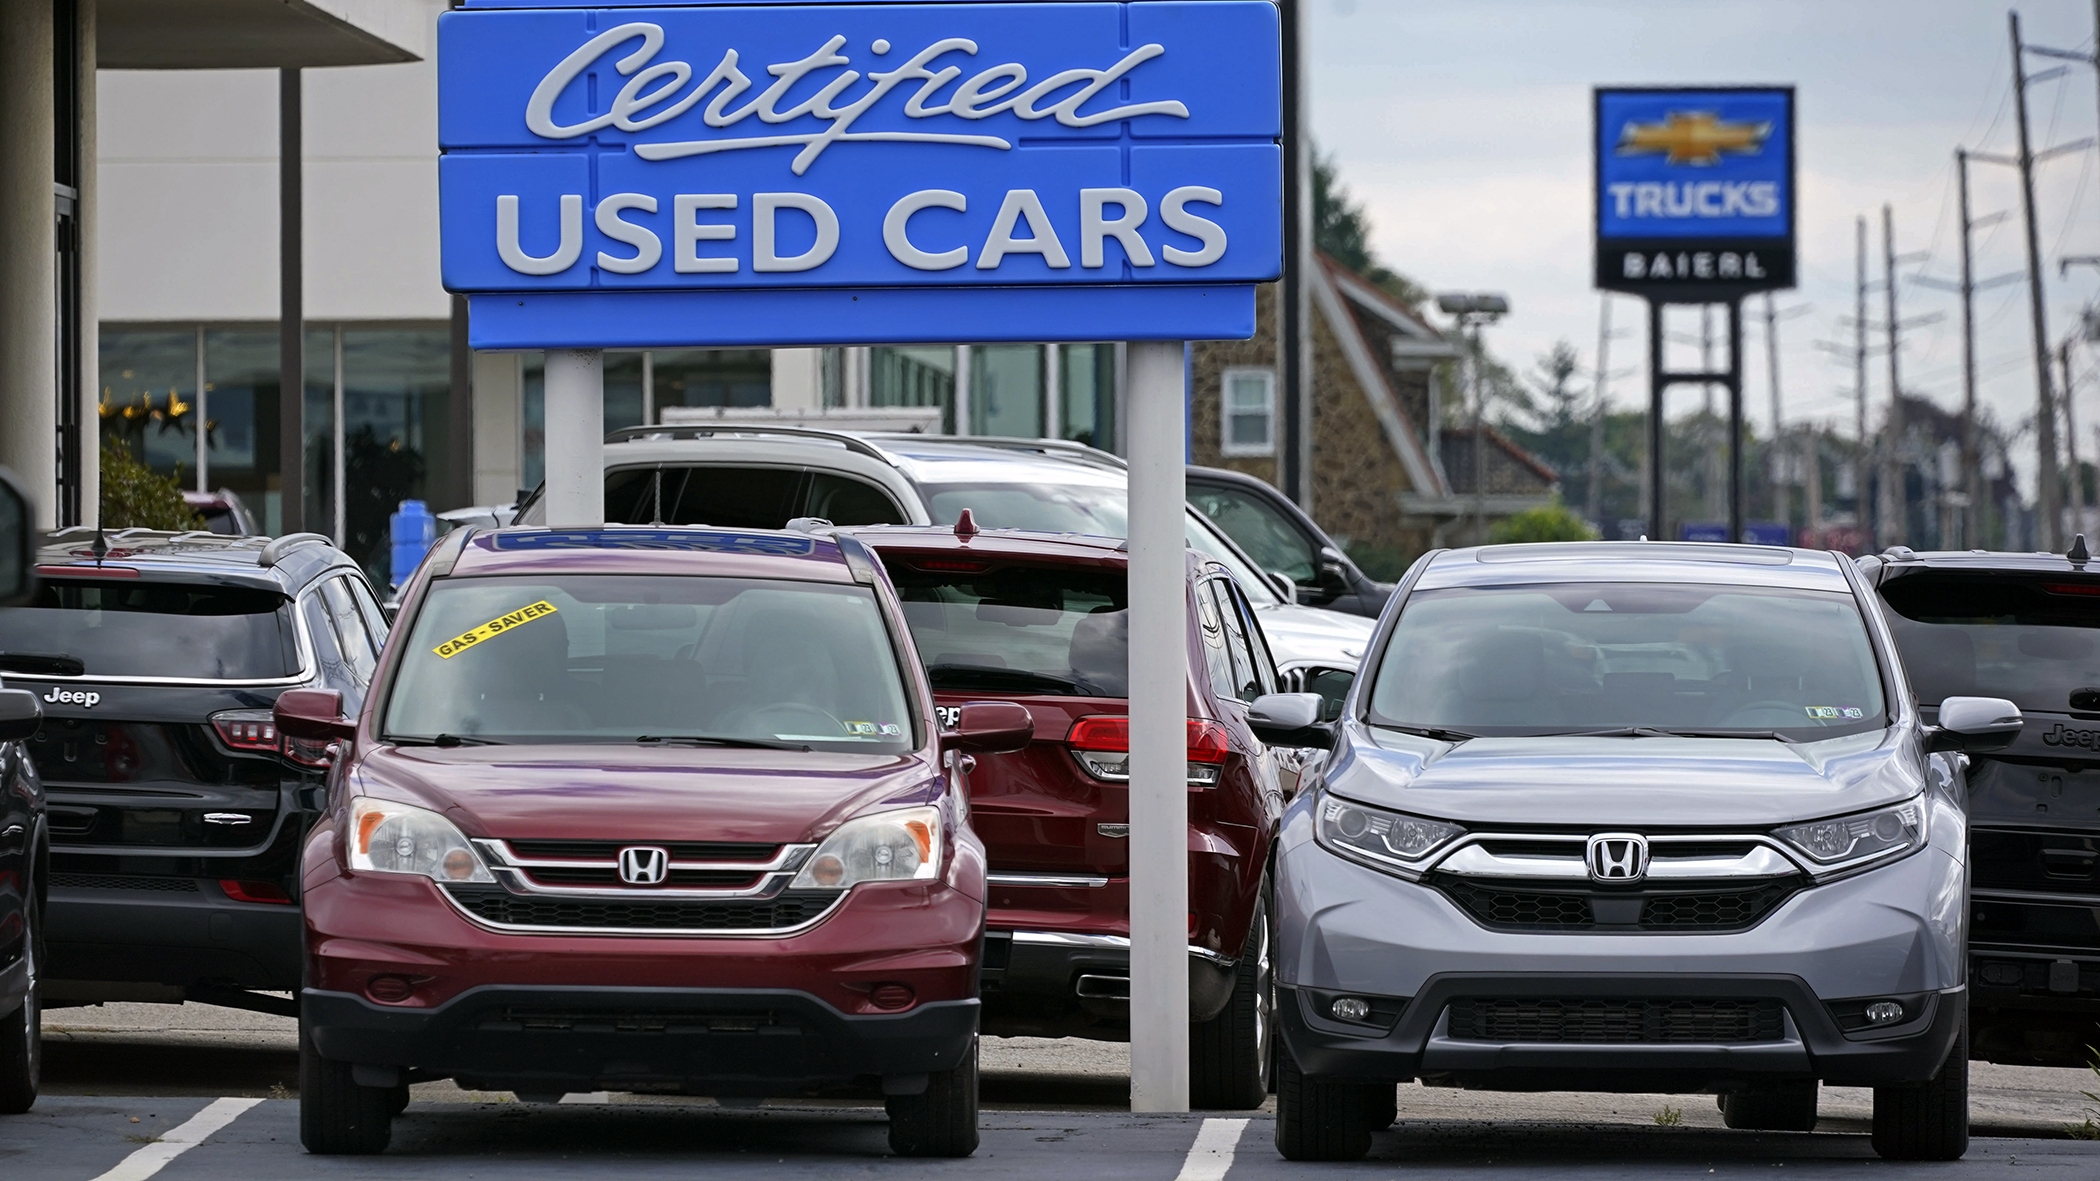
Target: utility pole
{"points": [[1971, 474], [2063, 363], [1812, 451], [1859, 385], [2046, 491], [1781, 508], [1895, 506], [1596, 498]]}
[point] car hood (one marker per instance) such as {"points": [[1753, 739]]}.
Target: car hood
{"points": [[1637, 783], [1306, 635], [621, 794]]}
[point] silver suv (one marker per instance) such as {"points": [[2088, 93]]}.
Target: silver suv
{"points": [[1629, 817]]}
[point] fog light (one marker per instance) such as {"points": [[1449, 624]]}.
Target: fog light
{"points": [[1884, 1013], [390, 989], [890, 996], [1350, 1008]]}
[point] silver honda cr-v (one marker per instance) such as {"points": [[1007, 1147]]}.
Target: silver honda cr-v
{"points": [[1629, 817]]}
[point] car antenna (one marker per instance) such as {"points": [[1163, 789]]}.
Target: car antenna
{"points": [[2078, 554], [101, 547], [966, 525]]}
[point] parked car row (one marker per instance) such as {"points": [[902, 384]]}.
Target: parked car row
{"points": [[1595, 816]]}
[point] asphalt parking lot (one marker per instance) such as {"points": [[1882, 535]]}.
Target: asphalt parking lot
{"points": [[176, 1092]]}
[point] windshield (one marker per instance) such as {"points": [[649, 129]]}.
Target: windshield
{"points": [[1581, 657], [1091, 509], [1050, 630], [626, 658], [2034, 641], [131, 627]]}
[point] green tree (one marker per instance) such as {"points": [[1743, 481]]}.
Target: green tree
{"points": [[135, 497], [1554, 522]]}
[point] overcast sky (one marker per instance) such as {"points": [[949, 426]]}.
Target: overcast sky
{"points": [[1462, 126]]}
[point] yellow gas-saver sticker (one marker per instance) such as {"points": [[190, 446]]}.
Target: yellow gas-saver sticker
{"points": [[494, 627]]}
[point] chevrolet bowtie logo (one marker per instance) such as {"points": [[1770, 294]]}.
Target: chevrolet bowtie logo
{"points": [[1693, 137]]}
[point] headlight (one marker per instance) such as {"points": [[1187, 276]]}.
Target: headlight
{"points": [[386, 837], [1391, 839], [1843, 842], [899, 846]]}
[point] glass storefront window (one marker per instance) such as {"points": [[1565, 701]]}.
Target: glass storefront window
{"points": [[1087, 394], [712, 377], [397, 386], [915, 375], [1006, 390], [240, 406], [149, 398], [623, 390]]}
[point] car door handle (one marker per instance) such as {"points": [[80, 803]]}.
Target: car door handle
{"points": [[228, 818]]}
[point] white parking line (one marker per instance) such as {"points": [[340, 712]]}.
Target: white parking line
{"points": [[1211, 1155], [155, 1156]]}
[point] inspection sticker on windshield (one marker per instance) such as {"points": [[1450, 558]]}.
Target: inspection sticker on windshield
{"points": [[494, 627], [1832, 711]]}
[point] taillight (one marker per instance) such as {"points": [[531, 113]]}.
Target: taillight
{"points": [[1101, 743], [250, 891], [256, 730], [247, 729]]}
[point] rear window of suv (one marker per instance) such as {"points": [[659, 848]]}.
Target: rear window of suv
{"points": [[137, 627], [1032, 629], [2031, 639]]}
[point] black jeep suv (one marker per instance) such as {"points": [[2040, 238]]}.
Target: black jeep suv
{"points": [[2024, 627], [175, 818]]}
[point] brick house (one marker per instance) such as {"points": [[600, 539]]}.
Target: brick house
{"points": [[1379, 485]]}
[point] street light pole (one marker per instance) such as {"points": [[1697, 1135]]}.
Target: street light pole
{"points": [[1473, 311]]}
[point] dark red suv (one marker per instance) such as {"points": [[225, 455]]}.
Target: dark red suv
{"points": [[645, 810], [1042, 620]]}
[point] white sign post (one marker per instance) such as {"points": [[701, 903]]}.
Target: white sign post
{"points": [[1159, 804]]}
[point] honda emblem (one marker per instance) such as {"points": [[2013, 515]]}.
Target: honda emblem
{"points": [[1618, 857], [644, 866]]}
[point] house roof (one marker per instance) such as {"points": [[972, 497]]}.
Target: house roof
{"points": [[1331, 286]]}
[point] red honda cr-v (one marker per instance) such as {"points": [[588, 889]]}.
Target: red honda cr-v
{"points": [[1042, 620], [644, 810]]}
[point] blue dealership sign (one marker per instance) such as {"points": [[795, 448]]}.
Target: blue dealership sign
{"points": [[814, 173], [1695, 190]]}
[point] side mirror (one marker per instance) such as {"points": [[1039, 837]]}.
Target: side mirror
{"points": [[1975, 725], [990, 728], [17, 543], [1281, 583], [313, 713], [20, 714], [1334, 571], [1290, 719]]}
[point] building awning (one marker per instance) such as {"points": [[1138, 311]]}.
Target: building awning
{"points": [[247, 34]]}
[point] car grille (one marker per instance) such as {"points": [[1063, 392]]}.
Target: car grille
{"points": [[610, 850], [609, 879], [1615, 1021], [540, 1017], [496, 905], [1527, 908], [110, 881]]}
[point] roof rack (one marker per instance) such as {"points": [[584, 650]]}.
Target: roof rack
{"points": [[627, 434], [1062, 448], [276, 551]]}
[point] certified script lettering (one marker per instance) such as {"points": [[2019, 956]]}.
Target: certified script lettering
{"points": [[659, 91]]}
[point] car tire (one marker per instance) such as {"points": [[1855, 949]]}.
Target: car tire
{"points": [[337, 1117], [1772, 1107], [1229, 1054], [22, 1031], [942, 1119], [1321, 1120], [1930, 1120]]}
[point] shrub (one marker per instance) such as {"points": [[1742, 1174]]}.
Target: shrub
{"points": [[1554, 522], [135, 497]]}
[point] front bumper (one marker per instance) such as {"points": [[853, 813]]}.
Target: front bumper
{"points": [[1808, 1041], [712, 1041], [1896, 931]]}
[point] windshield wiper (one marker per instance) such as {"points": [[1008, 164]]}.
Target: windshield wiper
{"points": [[1615, 732], [719, 740], [442, 740], [48, 663], [1019, 680], [1773, 734], [1439, 733]]}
